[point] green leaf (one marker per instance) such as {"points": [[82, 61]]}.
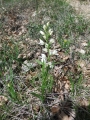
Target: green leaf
{"points": [[41, 97], [39, 62]]}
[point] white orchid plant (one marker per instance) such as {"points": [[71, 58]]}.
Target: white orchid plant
{"points": [[46, 79], [47, 42]]}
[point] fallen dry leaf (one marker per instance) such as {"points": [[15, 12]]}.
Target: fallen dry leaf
{"points": [[55, 109], [67, 86], [81, 51], [65, 58], [84, 102], [81, 63], [36, 108], [3, 100], [84, 44]]}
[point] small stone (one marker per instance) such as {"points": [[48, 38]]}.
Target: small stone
{"points": [[67, 86], [3, 100], [36, 108]]}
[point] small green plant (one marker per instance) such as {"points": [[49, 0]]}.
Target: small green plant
{"points": [[10, 87], [65, 44], [2, 115], [11, 90], [9, 53], [76, 84]]}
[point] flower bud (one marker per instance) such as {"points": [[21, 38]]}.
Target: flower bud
{"points": [[50, 64], [48, 24], [52, 41], [44, 27], [45, 50], [53, 52], [44, 36], [41, 42], [42, 33], [43, 58], [50, 31]]}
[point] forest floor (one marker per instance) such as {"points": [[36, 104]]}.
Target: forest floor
{"points": [[28, 89]]}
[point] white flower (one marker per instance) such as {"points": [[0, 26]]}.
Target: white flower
{"points": [[42, 33], [46, 45], [26, 66], [41, 42], [82, 51], [47, 24], [50, 31], [53, 52], [52, 41], [34, 14], [43, 58], [44, 27], [45, 50], [44, 36], [50, 64]]}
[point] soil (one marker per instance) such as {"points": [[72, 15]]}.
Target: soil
{"points": [[82, 7]]}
